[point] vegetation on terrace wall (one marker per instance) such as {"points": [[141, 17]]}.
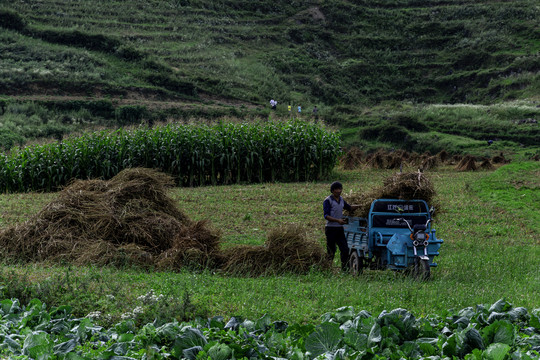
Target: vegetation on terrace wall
{"points": [[194, 155], [343, 56], [332, 52]]}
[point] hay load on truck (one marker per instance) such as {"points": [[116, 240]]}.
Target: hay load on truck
{"points": [[396, 235]]}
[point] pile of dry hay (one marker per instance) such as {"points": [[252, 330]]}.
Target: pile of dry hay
{"points": [[130, 220], [354, 158], [126, 220], [405, 186], [468, 163], [286, 249]]}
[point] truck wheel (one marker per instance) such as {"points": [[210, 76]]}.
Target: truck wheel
{"points": [[355, 264], [421, 270]]}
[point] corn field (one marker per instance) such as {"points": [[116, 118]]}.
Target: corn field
{"points": [[194, 154]]}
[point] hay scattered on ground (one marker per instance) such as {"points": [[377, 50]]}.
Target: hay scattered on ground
{"points": [[130, 220], [405, 186], [287, 249]]}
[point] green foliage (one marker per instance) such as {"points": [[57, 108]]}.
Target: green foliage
{"points": [[77, 38], [11, 20], [333, 53], [26, 121], [170, 82], [96, 108], [459, 128], [130, 114], [104, 297], [343, 56], [386, 132], [194, 155], [37, 332], [8, 139], [129, 53]]}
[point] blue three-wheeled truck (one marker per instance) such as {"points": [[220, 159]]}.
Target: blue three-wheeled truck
{"points": [[396, 235]]}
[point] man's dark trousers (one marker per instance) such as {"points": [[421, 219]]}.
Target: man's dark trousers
{"points": [[336, 236]]}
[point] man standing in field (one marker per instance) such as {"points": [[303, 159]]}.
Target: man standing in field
{"points": [[333, 207]]}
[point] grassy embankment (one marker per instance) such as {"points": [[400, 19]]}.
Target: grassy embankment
{"points": [[491, 250], [369, 66]]}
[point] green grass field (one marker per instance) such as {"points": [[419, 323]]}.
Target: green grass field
{"points": [[491, 251]]}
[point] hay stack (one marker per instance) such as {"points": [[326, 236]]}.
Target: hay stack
{"points": [[408, 186], [430, 163], [486, 165], [414, 158], [403, 154], [352, 158], [394, 161], [405, 186], [376, 160], [286, 249], [443, 156], [499, 159], [130, 220], [194, 245], [456, 159], [468, 163], [127, 220]]}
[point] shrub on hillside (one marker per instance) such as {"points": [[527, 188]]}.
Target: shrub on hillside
{"points": [[11, 20], [410, 123], [386, 131], [171, 83], [129, 53], [9, 139], [130, 114], [98, 42]]}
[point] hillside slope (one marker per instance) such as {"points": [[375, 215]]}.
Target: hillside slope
{"points": [[330, 52], [366, 64]]}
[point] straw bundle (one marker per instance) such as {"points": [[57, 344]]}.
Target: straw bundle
{"points": [[430, 163], [286, 249], [468, 163], [394, 161], [499, 159], [376, 160], [486, 165], [352, 158], [443, 156], [405, 186]]}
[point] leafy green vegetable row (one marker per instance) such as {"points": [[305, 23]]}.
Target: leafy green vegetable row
{"points": [[194, 155], [496, 332]]}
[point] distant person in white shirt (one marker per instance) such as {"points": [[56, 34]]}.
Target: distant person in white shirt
{"points": [[273, 104]]}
